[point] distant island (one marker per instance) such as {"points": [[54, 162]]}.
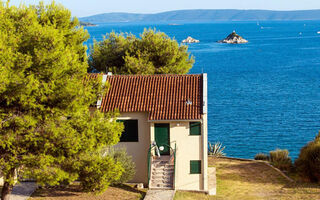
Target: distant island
{"points": [[190, 40], [233, 38], [197, 16], [86, 24]]}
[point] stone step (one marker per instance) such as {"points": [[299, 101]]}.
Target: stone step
{"points": [[158, 172], [162, 170], [171, 170], [162, 161], [163, 165], [162, 186], [160, 176], [162, 158], [161, 181]]}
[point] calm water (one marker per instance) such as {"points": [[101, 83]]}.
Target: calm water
{"points": [[262, 95]]}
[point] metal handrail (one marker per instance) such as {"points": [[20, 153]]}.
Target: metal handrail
{"points": [[174, 159]]}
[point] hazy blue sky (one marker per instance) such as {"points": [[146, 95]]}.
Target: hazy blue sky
{"points": [[82, 8]]}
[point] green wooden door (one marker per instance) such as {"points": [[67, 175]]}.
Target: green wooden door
{"points": [[162, 137]]}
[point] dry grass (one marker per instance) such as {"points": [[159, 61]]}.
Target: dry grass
{"points": [[73, 192], [247, 180]]}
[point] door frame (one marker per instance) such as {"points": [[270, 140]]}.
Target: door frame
{"points": [[163, 125]]}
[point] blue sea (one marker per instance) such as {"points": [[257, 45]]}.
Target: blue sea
{"points": [[264, 94]]}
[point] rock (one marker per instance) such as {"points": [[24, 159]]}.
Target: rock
{"points": [[233, 38], [190, 40], [139, 186]]}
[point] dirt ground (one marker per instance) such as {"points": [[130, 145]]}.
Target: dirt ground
{"points": [[242, 180], [73, 192]]}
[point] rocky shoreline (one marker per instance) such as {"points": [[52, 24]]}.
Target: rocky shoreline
{"points": [[233, 38], [190, 40]]}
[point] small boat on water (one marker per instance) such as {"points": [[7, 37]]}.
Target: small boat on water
{"points": [[318, 32]]}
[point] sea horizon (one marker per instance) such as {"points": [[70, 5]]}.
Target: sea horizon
{"points": [[263, 95]]}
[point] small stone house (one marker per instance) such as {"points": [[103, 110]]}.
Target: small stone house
{"points": [[165, 119]]}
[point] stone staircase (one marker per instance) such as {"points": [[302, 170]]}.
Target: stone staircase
{"points": [[162, 173]]}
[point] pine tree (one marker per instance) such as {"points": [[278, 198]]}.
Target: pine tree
{"points": [[46, 129], [153, 53]]}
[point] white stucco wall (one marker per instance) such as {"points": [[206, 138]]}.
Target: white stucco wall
{"points": [[138, 150], [189, 147]]}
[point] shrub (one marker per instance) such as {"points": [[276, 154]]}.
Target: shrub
{"points": [[216, 149], [280, 159], [120, 155], [308, 162], [96, 174], [261, 156]]}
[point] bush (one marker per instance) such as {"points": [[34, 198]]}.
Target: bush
{"points": [[280, 159], [261, 156], [308, 162], [216, 149], [120, 155], [97, 172]]}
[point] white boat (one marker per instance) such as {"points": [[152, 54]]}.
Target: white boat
{"points": [[318, 32]]}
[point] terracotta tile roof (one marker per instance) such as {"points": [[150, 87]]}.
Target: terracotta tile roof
{"points": [[164, 97]]}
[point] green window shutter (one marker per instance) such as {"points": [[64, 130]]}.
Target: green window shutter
{"points": [[130, 132], [195, 166], [195, 128]]}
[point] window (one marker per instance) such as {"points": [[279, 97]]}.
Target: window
{"points": [[130, 132], [195, 166], [195, 128]]}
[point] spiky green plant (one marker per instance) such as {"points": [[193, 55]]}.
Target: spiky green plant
{"points": [[216, 149]]}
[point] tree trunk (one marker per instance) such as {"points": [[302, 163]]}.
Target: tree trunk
{"points": [[8, 185], [6, 190]]}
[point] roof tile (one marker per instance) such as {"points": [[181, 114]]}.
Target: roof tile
{"points": [[164, 97]]}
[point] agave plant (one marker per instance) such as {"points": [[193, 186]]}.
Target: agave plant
{"points": [[216, 149]]}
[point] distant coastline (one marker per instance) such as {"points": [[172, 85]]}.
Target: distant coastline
{"points": [[87, 24], [194, 16]]}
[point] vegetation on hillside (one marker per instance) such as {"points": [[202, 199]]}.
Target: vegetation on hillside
{"points": [[46, 130], [279, 158], [251, 180], [307, 165], [153, 53], [308, 162]]}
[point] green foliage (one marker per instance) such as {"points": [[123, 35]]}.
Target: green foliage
{"points": [[216, 149], [261, 156], [120, 155], [46, 128], [280, 159], [97, 172], [308, 162], [153, 53]]}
